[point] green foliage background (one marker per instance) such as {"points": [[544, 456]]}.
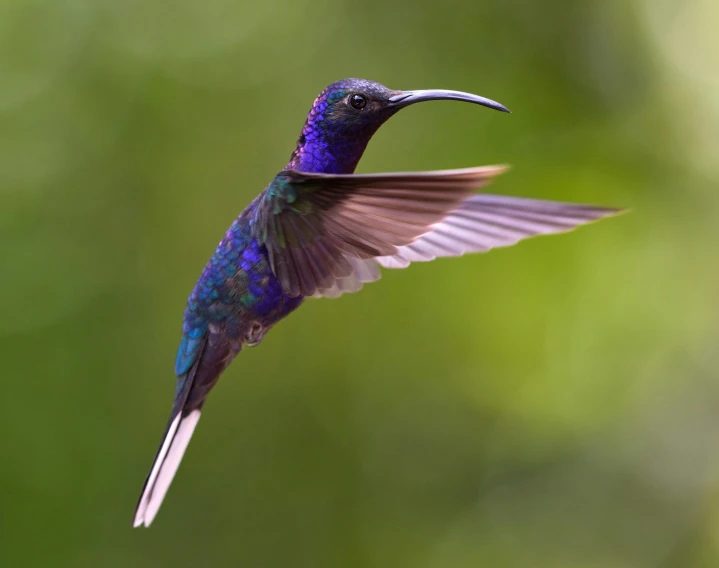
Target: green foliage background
{"points": [[550, 405]]}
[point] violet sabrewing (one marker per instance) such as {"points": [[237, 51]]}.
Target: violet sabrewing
{"points": [[318, 230]]}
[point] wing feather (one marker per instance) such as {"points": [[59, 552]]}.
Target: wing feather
{"points": [[484, 222], [329, 234], [321, 231]]}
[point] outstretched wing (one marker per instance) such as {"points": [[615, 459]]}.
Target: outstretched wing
{"points": [[328, 234], [485, 222], [318, 228]]}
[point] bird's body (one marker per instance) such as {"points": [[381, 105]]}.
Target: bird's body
{"points": [[318, 230], [236, 296]]}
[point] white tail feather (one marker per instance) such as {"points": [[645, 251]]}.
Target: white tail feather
{"points": [[166, 463]]}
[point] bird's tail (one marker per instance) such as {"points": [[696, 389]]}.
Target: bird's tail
{"points": [[177, 437], [192, 388]]}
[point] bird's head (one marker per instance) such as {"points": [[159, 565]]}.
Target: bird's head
{"points": [[348, 112]]}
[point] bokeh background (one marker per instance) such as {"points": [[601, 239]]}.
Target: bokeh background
{"points": [[554, 404]]}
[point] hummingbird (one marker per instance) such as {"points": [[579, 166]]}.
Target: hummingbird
{"points": [[319, 230]]}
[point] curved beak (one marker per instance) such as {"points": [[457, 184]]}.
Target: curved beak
{"points": [[406, 98]]}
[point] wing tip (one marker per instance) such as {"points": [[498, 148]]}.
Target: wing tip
{"points": [[619, 210], [604, 212], [600, 213], [494, 169]]}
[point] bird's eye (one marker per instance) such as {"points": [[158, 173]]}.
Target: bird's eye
{"points": [[358, 102]]}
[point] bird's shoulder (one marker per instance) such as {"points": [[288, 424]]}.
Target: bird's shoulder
{"points": [[275, 199]]}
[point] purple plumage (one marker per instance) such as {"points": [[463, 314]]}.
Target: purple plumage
{"points": [[332, 142], [318, 230]]}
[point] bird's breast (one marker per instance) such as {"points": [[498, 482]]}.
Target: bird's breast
{"points": [[237, 290]]}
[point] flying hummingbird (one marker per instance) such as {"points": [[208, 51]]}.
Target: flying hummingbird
{"points": [[320, 230]]}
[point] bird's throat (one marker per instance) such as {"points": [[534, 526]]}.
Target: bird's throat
{"points": [[327, 155], [330, 148]]}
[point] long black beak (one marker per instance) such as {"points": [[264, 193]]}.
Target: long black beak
{"points": [[405, 98]]}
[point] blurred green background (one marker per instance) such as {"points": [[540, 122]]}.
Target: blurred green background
{"points": [[553, 405]]}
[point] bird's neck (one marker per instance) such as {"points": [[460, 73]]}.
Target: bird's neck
{"points": [[320, 151]]}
